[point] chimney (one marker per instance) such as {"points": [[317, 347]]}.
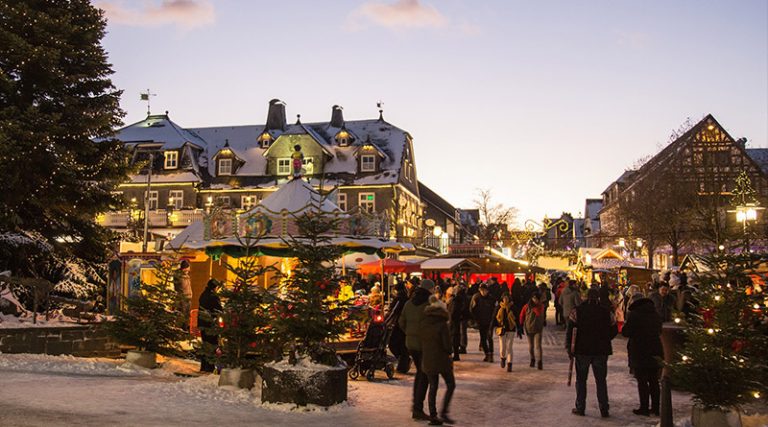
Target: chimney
{"points": [[276, 115], [337, 116]]}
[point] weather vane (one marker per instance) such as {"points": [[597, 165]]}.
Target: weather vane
{"points": [[145, 97]]}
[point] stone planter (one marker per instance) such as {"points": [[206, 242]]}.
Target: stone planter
{"points": [[701, 417], [144, 359], [304, 384], [237, 377]]}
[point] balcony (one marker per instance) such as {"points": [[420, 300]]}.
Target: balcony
{"points": [[157, 218]]}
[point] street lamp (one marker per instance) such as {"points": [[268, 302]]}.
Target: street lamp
{"points": [[745, 214]]}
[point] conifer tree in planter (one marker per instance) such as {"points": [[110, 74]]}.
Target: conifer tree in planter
{"points": [[152, 321], [723, 360], [309, 316], [244, 326]]}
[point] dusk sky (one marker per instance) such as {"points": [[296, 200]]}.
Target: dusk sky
{"points": [[545, 102]]}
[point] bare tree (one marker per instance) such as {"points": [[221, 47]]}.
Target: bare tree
{"points": [[495, 218]]}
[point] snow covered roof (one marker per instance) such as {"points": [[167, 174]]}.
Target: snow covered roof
{"points": [[447, 264], [295, 197], [166, 177], [760, 156], [159, 129]]}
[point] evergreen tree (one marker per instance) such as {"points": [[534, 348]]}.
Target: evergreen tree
{"points": [[245, 327], [310, 314], [56, 99], [723, 362], [152, 320]]}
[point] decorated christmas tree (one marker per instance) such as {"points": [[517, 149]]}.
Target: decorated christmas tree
{"points": [[723, 361], [310, 314], [244, 325], [153, 320]]}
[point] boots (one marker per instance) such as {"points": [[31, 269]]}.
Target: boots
{"points": [[503, 362], [509, 367], [485, 359], [540, 365], [533, 363], [490, 357]]}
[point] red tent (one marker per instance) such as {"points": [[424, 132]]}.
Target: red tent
{"points": [[388, 265]]}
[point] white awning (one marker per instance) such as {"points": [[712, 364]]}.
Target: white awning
{"points": [[445, 263]]}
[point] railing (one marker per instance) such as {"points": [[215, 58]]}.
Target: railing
{"points": [[157, 218]]}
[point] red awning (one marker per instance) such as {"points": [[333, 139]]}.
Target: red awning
{"points": [[389, 266]]}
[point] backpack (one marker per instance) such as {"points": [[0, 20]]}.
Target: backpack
{"points": [[533, 324]]}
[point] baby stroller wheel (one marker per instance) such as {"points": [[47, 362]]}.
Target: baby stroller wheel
{"points": [[369, 375], [354, 373], [390, 371]]}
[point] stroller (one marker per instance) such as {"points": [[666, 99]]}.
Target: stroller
{"points": [[372, 350]]}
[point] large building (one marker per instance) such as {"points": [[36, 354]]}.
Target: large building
{"points": [[183, 171], [705, 159]]}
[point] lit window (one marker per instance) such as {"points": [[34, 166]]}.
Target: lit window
{"points": [[265, 139], [368, 202], [225, 166], [283, 166], [368, 163], [342, 201], [152, 200], [309, 166], [222, 201], [178, 198], [247, 202], [171, 159]]}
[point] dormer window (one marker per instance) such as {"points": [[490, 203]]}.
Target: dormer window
{"points": [[225, 166], [368, 163], [171, 159], [265, 139], [343, 137]]}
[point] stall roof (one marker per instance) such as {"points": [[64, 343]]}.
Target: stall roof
{"points": [[447, 264]]}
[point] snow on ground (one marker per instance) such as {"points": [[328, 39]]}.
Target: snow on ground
{"points": [[46, 390], [56, 319]]}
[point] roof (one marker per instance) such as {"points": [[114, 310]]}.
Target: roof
{"points": [[592, 209], [760, 156], [623, 179], [432, 198], [295, 197], [447, 264], [159, 129]]}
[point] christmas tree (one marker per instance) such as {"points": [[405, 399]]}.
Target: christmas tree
{"points": [[153, 320], [247, 338], [56, 100], [310, 313], [723, 360]]}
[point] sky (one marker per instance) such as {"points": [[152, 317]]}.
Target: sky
{"points": [[544, 103]]}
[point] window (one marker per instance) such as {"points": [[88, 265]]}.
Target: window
{"points": [[342, 201], [407, 168], [225, 166], [283, 166], [368, 163], [247, 202], [368, 202], [309, 166], [171, 159], [265, 139], [222, 201], [152, 200], [177, 198]]}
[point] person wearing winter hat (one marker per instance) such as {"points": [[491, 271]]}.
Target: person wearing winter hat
{"points": [[436, 357], [410, 322]]}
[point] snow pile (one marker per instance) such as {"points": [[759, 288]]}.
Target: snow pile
{"points": [[55, 319], [303, 364], [43, 363]]}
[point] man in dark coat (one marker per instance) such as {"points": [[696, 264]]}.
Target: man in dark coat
{"points": [[207, 313], [483, 309], [664, 302], [494, 288], [643, 328], [436, 361], [588, 339], [517, 297], [462, 298], [455, 315], [397, 339], [410, 322]]}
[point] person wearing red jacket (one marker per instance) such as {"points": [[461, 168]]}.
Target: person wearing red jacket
{"points": [[532, 321]]}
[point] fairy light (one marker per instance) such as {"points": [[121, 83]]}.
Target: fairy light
{"points": [[717, 297], [756, 394], [677, 320], [756, 306], [710, 331], [685, 358]]}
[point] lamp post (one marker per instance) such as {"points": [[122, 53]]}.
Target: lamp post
{"points": [[746, 214], [746, 205]]}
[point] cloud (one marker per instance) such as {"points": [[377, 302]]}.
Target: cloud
{"points": [[402, 14], [186, 14]]}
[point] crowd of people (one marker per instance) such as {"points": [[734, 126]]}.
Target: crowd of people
{"points": [[432, 331]]}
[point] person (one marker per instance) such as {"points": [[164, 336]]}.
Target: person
{"points": [[183, 286], [376, 299], [558, 290], [605, 295], [397, 339], [494, 289], [505, 318], [462, 299], [410, 322], [532, 321], [297, 158], [545, 296], [482, 308], [455, 311], [569, 299], [207, 313], [664, 302], [643, 328], [436, 358], [590, 330]]}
